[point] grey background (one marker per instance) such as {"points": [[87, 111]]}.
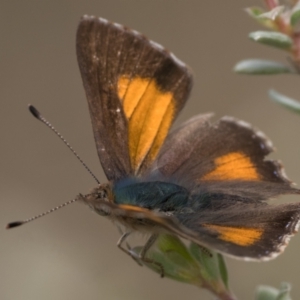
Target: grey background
{"points": [[72, 254]]}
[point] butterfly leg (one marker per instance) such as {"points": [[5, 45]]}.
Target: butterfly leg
{"points": [[143, 258], [205, 250], [122, 232], [127, 251]]}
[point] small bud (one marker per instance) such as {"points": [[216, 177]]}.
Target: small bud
{"points": [[264, 292]]}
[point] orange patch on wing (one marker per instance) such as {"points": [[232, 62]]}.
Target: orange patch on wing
{"points": [[130, 91], [133, 208], [241, 236], [149, 112], [233, 166], [163, 131]]}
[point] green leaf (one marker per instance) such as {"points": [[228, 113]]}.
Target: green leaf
{"points": [[169, 243], [272, 14], [295, 16], [175, 250], [175, 258], [212, 264], [256, 12], [223, 270], [284, 291], [274, 39], [285, 101], [191, 264], [261, 67], [265, 292]]}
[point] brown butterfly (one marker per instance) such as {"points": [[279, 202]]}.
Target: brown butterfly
{"points": [[204, 182]]}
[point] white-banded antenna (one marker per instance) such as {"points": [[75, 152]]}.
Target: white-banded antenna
{"points": [[19, 223], [40, 117]]}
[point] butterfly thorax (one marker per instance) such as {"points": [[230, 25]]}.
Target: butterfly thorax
{"points": [[153, 195], [130, 202]]}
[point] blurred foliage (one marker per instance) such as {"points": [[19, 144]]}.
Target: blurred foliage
{"points": [[283, 24], [264, 292]]}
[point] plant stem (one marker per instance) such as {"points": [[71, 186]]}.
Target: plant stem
{"points": [[221, 292], [296, 47], [271, 3]]}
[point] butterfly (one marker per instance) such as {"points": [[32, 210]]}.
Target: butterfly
{"points": [[207, 182]]}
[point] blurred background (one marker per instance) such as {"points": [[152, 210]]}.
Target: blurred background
{"points": [[72, 253]]}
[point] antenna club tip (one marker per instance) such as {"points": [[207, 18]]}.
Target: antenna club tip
{"points": [[34, 111], [14, 224]]}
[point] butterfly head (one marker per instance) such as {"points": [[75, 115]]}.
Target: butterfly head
{"points": [[98, 198]]}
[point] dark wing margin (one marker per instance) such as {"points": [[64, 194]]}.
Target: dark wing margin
{"points": [[135, 89]]}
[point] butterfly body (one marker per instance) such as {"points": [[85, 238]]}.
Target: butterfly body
{"points": [[161, 197], [205, 181]]}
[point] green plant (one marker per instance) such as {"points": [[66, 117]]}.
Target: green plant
{"points": [[283, 23]]}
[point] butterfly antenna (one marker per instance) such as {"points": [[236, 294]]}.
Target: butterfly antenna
{"points": [[19, 223], [40, 117]]}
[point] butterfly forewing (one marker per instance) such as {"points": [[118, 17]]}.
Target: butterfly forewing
{"points": [[135, 89]]}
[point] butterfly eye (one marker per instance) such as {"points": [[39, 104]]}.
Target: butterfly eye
{"points": [[102, 195], [95, 197]]}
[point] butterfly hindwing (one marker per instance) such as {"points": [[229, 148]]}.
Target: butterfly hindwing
{"points": [[260, 232], [135, 89], [226, 157], [223, 166]]}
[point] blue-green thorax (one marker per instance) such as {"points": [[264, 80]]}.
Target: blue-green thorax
{"points": [[153, 195]]}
